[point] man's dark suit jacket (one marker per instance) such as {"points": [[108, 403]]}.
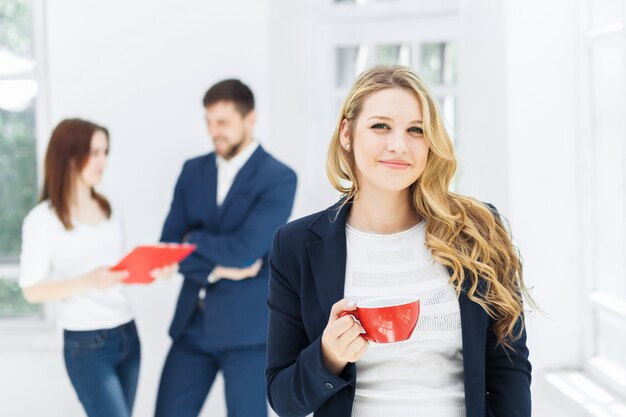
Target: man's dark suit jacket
{"points": [[234, 234]]}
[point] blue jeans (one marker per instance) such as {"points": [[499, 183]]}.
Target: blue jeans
{"points": [[103, 366]]}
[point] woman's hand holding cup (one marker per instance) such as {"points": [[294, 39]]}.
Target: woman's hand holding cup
{"points": [[342, 341]]}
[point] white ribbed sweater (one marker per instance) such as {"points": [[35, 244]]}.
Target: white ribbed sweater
{"points": [[422, 376]]}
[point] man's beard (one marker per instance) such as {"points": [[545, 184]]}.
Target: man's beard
{"points": [[233, 150]]}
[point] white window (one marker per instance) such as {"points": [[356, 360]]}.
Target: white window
{"points": [[21, 115], [415, 34], [435, 62], [604, 158], [421, 34]]}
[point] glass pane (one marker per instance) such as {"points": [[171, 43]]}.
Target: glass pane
{"points": [[438, 63], [350, 62], [13, 304], [449, 109], [18, 167], [12, 64], [610, 338], [609, 202], [16, 29], [605, 12], [16, 95], [393, 54]]}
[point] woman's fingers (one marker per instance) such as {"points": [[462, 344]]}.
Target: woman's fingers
{"points": [[119, 275], [353, 332], [341, 306], [356, 349], [341, 326], [342, 341]]}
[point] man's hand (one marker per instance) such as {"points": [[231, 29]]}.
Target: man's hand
{"points": [[238, 274]]}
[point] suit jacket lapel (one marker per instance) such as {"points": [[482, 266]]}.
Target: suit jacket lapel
{"points": [[327, 256], [211, 184]]}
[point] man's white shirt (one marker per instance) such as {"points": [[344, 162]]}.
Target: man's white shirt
{"points": [[227, 170]]}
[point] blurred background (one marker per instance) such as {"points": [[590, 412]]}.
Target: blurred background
{"points": [[532, 91]]}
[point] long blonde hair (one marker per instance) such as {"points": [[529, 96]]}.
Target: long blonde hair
{"points": [[462, 233]]}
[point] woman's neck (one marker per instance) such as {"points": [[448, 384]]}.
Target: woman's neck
{"points": [[81, 196], [382, 212]]}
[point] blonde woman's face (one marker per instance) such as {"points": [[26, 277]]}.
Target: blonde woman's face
{"points": [[389, 147]]}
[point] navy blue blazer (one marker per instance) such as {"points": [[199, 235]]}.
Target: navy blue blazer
{"points": [[307, 276], [234, 234]]}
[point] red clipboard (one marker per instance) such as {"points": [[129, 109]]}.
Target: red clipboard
{"points": [[143, 259]]}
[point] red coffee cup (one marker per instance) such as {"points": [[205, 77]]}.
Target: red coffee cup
{"points": [[387, 320]]}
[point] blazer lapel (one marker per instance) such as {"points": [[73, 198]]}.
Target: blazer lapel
{"points": [[473, 319], [327, 256]]}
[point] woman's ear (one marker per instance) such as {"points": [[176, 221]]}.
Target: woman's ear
{"points": [[344, 135]]}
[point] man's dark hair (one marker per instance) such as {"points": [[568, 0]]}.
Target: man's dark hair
{"points": [[231, 90]]}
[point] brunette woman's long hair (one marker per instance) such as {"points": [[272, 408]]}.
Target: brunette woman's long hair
{"points": [[462, 233], [68, 152]]}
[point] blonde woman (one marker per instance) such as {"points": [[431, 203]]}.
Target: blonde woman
{"points": [[397, 231]]}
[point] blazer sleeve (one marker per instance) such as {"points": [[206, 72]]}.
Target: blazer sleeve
{"points": [[297, 381], [508, 376], [250, 241], [508, 371], [176, 223]]}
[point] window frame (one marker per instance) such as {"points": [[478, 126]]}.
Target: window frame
{"points": [[350, 24], [609, 375], [36, 329]]}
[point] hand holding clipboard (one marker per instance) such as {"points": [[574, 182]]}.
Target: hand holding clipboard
{"points": [[142, 260]]}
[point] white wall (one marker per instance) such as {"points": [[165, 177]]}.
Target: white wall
{"points": [[543, 131], [519, 150], [483, 144], [299, 122]]}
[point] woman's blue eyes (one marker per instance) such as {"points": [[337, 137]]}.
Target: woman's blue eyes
{"points": [[413, 129]]}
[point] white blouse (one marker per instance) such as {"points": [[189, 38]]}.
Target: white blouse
{"points": [[51, 253]]}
